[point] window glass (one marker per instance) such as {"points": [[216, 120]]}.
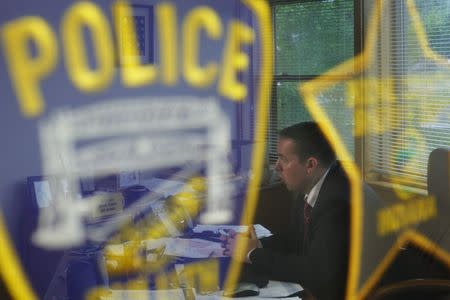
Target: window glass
{"points": [[312, 37]]}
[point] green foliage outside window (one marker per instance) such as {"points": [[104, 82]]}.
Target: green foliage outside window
{"points": [[311, 37]]}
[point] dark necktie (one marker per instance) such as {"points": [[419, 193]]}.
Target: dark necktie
{"points": [[306, 220]]}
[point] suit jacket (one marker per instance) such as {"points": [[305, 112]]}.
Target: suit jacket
{"points": [[320, 264]]}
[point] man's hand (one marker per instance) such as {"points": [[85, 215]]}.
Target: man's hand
{"points": [[246, 243]]}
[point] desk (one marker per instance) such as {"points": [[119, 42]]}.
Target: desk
{"points": [[175, 295], [268, 293], [178, 295], [274, 289]]}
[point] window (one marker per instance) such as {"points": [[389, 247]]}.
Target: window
{"points": [[414, 92], [311, 37]]}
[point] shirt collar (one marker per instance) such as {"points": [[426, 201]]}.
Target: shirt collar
{"points": [[311, 198]]}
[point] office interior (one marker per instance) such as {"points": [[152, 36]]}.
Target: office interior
{"points": [[85, 157]]}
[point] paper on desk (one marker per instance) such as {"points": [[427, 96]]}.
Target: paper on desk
{"points": [[279, 289], [261, 231], [174, 294], [220, 297], [193, 248], [273, 290]]}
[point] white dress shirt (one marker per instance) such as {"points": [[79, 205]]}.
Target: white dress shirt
{"points": [[311, 197]]}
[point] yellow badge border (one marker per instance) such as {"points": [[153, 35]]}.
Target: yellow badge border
{"points": [[11, 270], [262, 11]]}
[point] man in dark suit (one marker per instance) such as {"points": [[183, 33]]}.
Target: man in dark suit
{"points": [[314, 250]]}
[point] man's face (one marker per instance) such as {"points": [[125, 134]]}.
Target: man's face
{"points": [[293, 172]]}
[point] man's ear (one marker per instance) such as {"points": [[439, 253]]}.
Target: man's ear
{"points": [[311, 165]]}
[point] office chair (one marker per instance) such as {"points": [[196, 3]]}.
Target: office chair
{"points": [[424, 277]]}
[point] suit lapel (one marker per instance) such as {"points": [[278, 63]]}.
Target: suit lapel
{"points": [[325, 191], [321, 204]]}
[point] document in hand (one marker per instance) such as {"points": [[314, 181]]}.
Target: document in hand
{"points": [[261, 231]]}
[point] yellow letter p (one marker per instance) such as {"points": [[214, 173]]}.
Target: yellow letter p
{"points": [[26, 70]]}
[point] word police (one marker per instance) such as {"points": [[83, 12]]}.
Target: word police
{"points": [[28, 71]]}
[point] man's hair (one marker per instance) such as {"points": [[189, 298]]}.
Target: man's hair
{"points": [[310, 142]]}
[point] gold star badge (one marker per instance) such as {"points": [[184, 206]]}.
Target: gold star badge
{"points": [[381, 228]]}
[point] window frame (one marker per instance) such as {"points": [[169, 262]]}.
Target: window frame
{"points": [[358, 45], [378, 179]]}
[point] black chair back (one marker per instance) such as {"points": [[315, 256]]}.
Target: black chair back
{"points": [[438, 174]]}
